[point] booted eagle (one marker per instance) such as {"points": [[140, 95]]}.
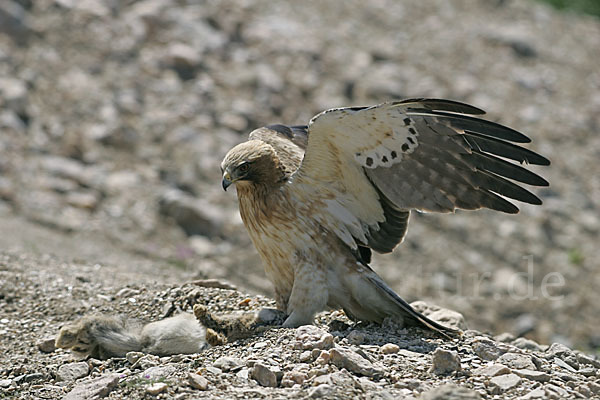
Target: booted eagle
{"points": [[317, 199]]}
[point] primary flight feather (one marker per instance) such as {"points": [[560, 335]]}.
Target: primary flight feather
{"points": [[317, 199]]}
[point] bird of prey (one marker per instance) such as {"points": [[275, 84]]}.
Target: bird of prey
{"points": [[317, 199]]}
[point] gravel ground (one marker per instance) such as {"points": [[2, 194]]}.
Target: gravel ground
{"points": [[114, 117], [334, 359]]}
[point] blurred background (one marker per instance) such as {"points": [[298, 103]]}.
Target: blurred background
{"points": [[115, 115]]}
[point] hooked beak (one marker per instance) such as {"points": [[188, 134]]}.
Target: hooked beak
{"points": [[226, 182]]}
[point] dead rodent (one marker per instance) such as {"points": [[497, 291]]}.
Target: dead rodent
{"points": [[103, 337]]}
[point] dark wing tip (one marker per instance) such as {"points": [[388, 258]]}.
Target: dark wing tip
{"points": [[442, 105], [283, 129]]}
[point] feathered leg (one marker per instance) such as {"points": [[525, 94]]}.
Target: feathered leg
{"points": [[309, 294]]}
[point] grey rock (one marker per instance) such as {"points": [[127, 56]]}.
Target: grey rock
{"points": [[556, 392], [584, 390], [227, 363], [562, 364], [310, 337], [87, 200], [133, 356], [389, 348], [450, 392], [306, 356], [120, 181], [492, 370], [93, 389], [156, 388], [449, 318], [339, 378], [46, 345], [73, 371], [243, 373], [532, 375], [158, 372], [197, 381], [346, 358], [503, 383], [486, 349], [290, 378], [444, 316], [146, 362], [194, 216], [14, 21], [516, 360], [13, 92], [214, 370], [538, 393], [321, 391], [263, 375], [524, 324], [184, 59], [87, 176], [504, 337], [558, 350], [594, 387], [563, 376], [587, 360], [444, 362], [588, 371], [356, 337], [4, 383], [26, 378], [526, 344]]}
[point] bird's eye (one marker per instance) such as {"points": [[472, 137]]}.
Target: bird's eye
{"points": [[244, 167]]}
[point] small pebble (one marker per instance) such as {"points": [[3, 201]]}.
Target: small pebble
{"points": [[156, 388], [197, 381], [390, 348]]}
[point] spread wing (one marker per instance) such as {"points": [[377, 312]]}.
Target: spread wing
{"points": [[365, 168]]}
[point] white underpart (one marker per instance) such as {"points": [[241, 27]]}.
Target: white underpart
{"points": [[392, 149]]}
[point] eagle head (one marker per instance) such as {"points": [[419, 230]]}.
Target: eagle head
{"points": [[253, 161]]}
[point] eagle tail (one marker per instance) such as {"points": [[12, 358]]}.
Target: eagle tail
{"points": [[410, 316]]}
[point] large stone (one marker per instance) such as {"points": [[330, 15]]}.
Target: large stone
{"points": [[389, 348], [73, 371], [346, 358], [526, 344], [450, 392], [93, 389], [227, 363], [444, 362], [516, 360], [263, 375], [198, 381], [486, 348], [159, 372], [156, 388], [502, 383], [533, 375], [47, 345], [444, 316], [295, 376], [194, 216], [310, 337], [492, 370], [558, 350]]}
